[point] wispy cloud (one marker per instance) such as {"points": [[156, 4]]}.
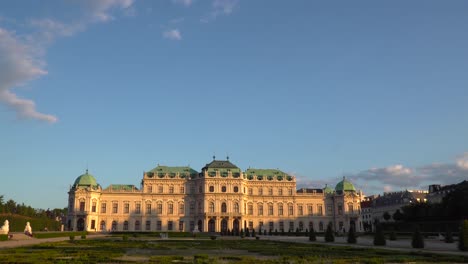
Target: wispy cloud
{"points": [[183, 2], [220, 7], [173, 34], [22, 57], [399, 177], [17, 66]]}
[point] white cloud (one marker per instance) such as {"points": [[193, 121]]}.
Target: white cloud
{"points": [[462, 161], [100, 9], [21, 57], [220, 7], [17, 66], [173, 34], [399, 177], [183, 2]]}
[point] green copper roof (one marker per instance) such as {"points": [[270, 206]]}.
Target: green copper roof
{"points": [[85, 180], [223, 166], [327, 189], [345, 185], [121, 187], [161, 171], [267, 174]]}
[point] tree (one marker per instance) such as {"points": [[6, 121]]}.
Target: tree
{"points": [[352, 239], [386, 216], [329, 237], [397, 216], [379, 237], [312, 236], [253, 232], [417, 240], [297, 231], [247, 232]]}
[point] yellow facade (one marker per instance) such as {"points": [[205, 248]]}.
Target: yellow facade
{"points": [[221, 198]]}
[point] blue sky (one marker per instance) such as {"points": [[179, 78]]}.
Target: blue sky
{"points": [[372, 90]]}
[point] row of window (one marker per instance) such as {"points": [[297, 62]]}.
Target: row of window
{"points": [[260, 191]]}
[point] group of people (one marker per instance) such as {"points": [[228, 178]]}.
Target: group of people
{"points": [[5, 229]]}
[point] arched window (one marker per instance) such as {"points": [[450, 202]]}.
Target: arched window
{"points": [[223, 208], [311, 225], [280, 209], [236, 189], [211, 188], [223, 188], [320, 226], [211, 207], [103, 226], [260, 209], [137, 225], [114, 225], [125, 228], [301, 225], [236, 207]]}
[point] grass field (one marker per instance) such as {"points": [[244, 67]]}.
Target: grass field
{"points": [[135, 250]]}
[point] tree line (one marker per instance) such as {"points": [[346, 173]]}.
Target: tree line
{"points": [[12, 207]]}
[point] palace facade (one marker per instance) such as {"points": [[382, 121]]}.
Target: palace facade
{"points": [[221, 197]]}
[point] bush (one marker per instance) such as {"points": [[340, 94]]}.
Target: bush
{"points": [[417, 241], [312, 236], [213, 237], [463, 236], [83, 236], [3, 237], [352, 236], [72, 238], [379, 237], [329, 237], [125, 237], [448, 236]]}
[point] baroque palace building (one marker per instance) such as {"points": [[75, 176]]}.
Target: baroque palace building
{"points": [[219, 198]]}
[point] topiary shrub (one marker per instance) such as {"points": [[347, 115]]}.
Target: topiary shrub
{"points": [[393, 236], [329, 237], [379, 237], [125, 237], [72, 238], [3, 237], [83, 236], [448, 236], [417, 240], [352, 236], [312, 236], [463, 236], [213, 237]]}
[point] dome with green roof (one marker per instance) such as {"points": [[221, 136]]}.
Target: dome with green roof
{"points": [[327, 189], [345, 185], [85, 180]]}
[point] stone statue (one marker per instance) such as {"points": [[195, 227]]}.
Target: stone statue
{"points": [[28, 230], [195, 230], [5, 228]]}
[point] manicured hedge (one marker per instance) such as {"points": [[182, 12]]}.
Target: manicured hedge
{"points": [[3, 237], [58, 234]]}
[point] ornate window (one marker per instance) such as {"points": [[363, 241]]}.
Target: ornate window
{"points": [[160, 189], [291, 209], [148, 225], [171, 189], [181, 208], [211, 188], [280, 209], [260, 191], [310, 209], [280, 191], [103, 208], [319, 209], [125, 227], [270, 209], [223, 208], [170, 208], [170, 225], [223, 188], [260, 209], [250, 207], [148, 208], [137, 225], [93, 207], [159, 208], [236, 189], [301, 226], [126, 208], [236, 207], [181, 189], [115, 207], [211, 207], [270, 191], [299, 210], [114, 225]]}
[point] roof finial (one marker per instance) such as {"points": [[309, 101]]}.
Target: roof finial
{"points": [[214, 157], [227, 157]]}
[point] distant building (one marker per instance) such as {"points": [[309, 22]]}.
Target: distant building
{"points": [[221, 197], [438, 192], [390, 202]]}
